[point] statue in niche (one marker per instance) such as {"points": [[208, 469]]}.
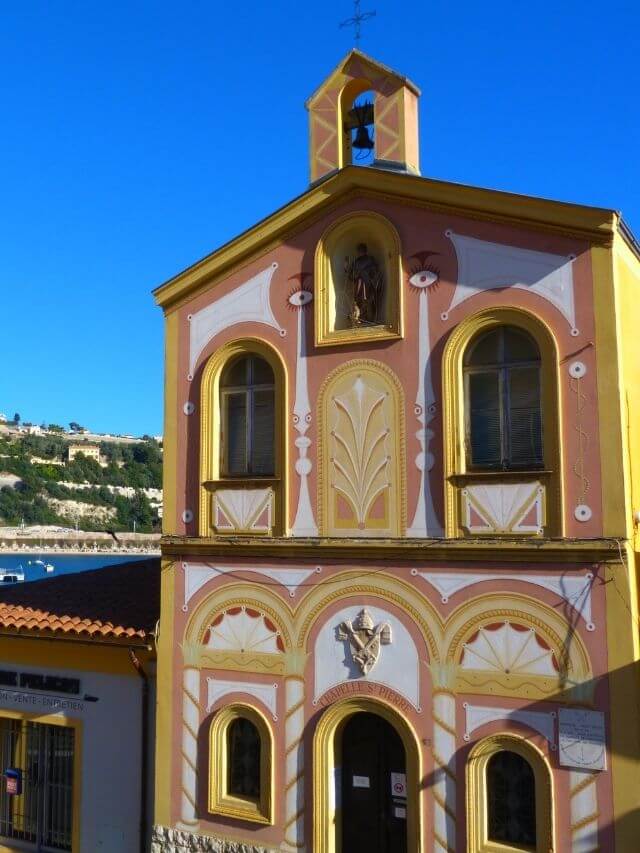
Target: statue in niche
{"points": [[365, 284]]}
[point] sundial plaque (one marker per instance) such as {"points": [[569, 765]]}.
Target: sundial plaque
{"points": [[582, 739]]}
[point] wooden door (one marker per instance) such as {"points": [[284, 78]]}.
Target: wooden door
{"points": [[373, 776]]}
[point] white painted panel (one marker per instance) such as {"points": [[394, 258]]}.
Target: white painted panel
{"points": [[397, 666]]}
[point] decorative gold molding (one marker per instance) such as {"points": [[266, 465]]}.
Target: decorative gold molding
{"points": [[323, 495], [259, 810], [326, 823], [242, 593], [596, 225], [210, 433], [477, 830], [364, 226], [388, 590], [493, 550], [455, 462]]}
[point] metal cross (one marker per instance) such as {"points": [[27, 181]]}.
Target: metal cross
{"points": [[357, 20]]}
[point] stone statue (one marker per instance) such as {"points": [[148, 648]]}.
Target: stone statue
{"points": [[366, 283]]}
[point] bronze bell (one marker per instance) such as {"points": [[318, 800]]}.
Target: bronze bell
{"points": [[363, 142]]}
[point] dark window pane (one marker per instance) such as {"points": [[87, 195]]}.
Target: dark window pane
{"points": [[243, 759], [519, 346], [486, 350], [262, 450], [236, 374], [524, 416], [484, 418], [511, 799], [248, 414], [261, 372], [236, 433]]}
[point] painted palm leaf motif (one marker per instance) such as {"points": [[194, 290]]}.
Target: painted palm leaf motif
{"points": [[511, 649], [359, 451]]}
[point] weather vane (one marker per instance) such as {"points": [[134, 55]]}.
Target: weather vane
{"points": [[356, 21]]}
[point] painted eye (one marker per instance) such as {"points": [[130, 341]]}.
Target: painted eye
{"points": [[300, 298], [424, 278]]}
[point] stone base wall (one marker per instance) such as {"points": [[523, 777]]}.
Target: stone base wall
{"points": [[166, 840]]}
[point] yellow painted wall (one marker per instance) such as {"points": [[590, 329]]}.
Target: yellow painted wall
{"points": [[627, 274], [622, 592]]}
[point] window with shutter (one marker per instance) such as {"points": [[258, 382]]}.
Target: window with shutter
{"points": [[503, 401], [247, 396]]}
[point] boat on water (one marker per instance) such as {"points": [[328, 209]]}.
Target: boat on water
{"points": [[48, 567], [11, 576]]}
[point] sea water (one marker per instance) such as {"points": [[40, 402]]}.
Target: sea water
{"points": [[64, 564]]}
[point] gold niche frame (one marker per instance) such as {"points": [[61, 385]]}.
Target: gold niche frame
{"points": [[260, 809], [477, 799], [373, 229], [210, 431], [456, 472], [326, 817]]}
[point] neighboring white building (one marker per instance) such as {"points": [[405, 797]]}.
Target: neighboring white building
{"points": [[77, 684]]}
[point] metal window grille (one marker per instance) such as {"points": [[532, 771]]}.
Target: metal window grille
{"points": [[42, 816]]}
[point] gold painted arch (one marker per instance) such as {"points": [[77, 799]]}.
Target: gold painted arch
{"points": [[352, 584], [325, 741], [361, 464], [552, 629], [240, 593]]}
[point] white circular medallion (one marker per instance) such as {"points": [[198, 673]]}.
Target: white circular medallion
{"points": [[577, 369], [582, 512], [188, 408], [187, 516]]}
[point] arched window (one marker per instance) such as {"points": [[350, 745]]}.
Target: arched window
{"points": [[510, 796], [240, 774], [503, 401], [247, 405], [511, 800], [243, 759]]}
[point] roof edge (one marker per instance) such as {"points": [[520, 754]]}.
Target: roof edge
{"points": [[366, 58], [593, 224]]}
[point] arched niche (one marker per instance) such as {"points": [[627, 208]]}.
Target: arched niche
{"points": [[358, 281]]}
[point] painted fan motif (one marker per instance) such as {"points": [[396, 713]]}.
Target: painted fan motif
{"points": [[243, 629], [510, 649]]}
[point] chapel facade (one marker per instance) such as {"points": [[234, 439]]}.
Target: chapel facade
{"points": [[401, 457]]}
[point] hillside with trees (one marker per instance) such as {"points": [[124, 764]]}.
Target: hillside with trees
{"points": [[44, 487]]}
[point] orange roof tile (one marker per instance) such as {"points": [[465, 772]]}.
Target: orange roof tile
{"points": [[116, 602]]}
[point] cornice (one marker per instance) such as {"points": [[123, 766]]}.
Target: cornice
{"points": [[495, 550], [592, 224]]}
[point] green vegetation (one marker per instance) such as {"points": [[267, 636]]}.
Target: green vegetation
{"points": [[138, 466]]}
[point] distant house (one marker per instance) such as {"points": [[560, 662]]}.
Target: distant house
{"points": [[77, 709], [92, 451]]}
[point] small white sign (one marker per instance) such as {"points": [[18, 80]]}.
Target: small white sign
{"points": [[581, 739], [399, 784], [361, 782], [400, 812]]}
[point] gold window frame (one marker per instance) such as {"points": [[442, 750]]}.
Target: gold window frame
{"points": [[365, 226], [457, 472], [221, 802], [477, 795], [211, 477]]}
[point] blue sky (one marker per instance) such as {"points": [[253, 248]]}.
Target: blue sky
{"points": [[138, 136]]}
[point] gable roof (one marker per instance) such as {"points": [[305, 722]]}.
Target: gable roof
{"points": [[371, 65], [594, 224], [116, 603]]}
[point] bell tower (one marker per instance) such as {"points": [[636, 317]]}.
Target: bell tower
{"points": [[393, 116]]}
